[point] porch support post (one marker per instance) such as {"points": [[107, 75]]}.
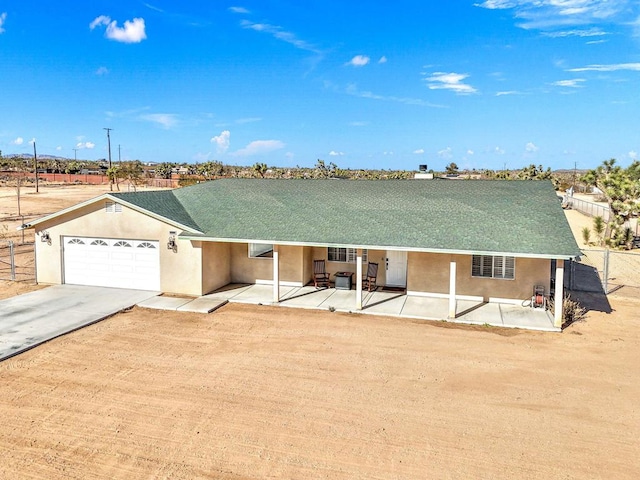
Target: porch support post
{"points": [[359, 279], [559, 295], [452, 290], [276, 274]]}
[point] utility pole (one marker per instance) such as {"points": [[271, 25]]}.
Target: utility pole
{"points": [[119, 159], [35, 163], [75, 154], [109, 147]]}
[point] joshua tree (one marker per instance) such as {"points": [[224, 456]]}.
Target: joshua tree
{"points": [[260, 169], [586, 235], [451, 169], [621, 188]]}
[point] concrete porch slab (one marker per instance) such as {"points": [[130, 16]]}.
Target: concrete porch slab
{"points": [[384, 303], [259, 294], [529, 318], [229, 291], [342, 300], [203, 305], [390, 303], [164, 303], [307, 297], [480, 314], [428, 308]]}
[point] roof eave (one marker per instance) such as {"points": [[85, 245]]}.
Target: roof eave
{"points": [[549, 256]]}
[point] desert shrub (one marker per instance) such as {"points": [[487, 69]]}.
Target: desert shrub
{"points": [[586, 235], [599, 228], [572, 310]]}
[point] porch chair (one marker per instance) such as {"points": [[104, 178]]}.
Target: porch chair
{"points": [[369, 281], [320, 275]]}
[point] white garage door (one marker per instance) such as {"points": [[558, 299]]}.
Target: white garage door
{"points": [[110, 262]]}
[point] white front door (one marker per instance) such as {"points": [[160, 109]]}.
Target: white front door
{"points": [[396, 268]]}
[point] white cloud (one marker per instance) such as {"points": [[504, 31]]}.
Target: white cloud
{"points": [[242, 121], [498, 151], [336, 154], [446, 153], [222, 141], [132, 32], [259, 147], [470, 152], [530, 148], [508, 92], [591, 32], [102, 71], [83, 145], [32, 141], [239, 10], [614, 67], [165, 120], [280, 34], [575, 83], [383, 59], [419, 151], [18, 141], [59, 148], [550, 14], [450, 81], [101, 20], [353, 90], [3, 17], [358, 61], [633, 155]]}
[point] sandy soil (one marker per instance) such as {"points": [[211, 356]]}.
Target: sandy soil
{"points": [[263, 392]]}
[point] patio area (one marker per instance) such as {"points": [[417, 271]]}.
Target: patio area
{"points": [[378, 302]]}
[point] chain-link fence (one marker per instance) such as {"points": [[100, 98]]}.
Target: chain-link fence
{"points": [[17, 261], [603, 270], [588, 208]]}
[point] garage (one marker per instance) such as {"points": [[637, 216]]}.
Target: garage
{"points": [[112, 262]]}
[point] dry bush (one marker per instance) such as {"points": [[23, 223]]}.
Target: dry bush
{"points": [[572, 310]]}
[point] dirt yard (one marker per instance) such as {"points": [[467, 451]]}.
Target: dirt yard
{"points": [[253, 392]]}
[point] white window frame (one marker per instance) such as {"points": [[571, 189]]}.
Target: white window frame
{"points": [[261, 250], [345, 255], [493, 266]]}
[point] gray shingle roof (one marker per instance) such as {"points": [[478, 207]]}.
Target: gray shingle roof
{"points": [[500, 216]]}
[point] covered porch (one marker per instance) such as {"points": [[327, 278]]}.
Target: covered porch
{"points": [[378, 302]]}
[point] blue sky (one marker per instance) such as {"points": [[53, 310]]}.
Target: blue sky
{"points": [[286, 82]]}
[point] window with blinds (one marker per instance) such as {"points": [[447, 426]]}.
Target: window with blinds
{"points": [[488, 266], [345, 255]]}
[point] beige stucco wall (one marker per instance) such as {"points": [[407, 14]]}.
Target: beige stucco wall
{"points": [[216, 265], [251, 270], [181, 272], [429, 272]]}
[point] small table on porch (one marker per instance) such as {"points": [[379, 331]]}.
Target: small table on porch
{"points": [[343, 280]]}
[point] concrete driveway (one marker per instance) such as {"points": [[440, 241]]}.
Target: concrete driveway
{"points": [[34, 318]]}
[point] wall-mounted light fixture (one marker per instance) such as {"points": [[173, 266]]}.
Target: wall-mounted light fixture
{"points": [[171, 244], [45, 237]]}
